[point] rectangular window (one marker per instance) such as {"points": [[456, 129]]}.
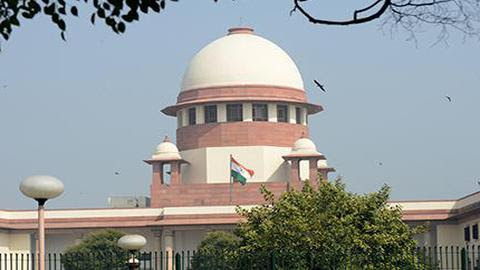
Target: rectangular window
{"points": [[282, 113], [210, 113], [192, 116], [475, 231], [260, 112], [234, 112], [466, 233], [298, 115]]}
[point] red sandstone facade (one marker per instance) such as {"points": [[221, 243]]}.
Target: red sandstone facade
{"points": [[239, 134]]}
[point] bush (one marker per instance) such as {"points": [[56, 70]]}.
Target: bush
{"points": [[98, 251], [218, 250], [315, 229]]}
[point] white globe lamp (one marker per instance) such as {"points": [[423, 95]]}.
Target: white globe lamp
{"points": [[132, 243], [41, 188]]}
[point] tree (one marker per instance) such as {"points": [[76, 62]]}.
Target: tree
{"points": [[328, 228], [98, 251], [411, 15], [218, 250]]}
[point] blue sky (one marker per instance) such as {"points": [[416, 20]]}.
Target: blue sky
{"points": [[84, 109]]}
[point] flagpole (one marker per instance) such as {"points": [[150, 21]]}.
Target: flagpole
{"points": [[231, 182]]}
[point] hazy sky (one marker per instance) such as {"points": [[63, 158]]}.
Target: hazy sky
{"points": [[84, 109]]}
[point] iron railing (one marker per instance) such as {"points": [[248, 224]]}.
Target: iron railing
{"points": [[433, 258]]}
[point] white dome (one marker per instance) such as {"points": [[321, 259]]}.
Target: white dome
{"points": [[322, 163], [166, 151], [241, 58], [304, 146]]}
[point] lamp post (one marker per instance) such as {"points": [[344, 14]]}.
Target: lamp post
{"points": [[132, 243], [41, 188]]}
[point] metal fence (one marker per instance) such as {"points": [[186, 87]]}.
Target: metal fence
{"points": [[450, 257], [56, 261], [432, 258]]}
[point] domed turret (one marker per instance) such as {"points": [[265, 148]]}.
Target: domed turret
{"points": [[305, 150], [304, 147], [166, 151]]}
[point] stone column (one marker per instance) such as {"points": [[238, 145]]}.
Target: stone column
{"points": [[168, 247], [157, 234], [175, 176], [157, 182], [157, 174], [313, 170], [294, 181]]}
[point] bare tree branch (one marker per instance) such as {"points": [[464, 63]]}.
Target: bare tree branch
{"points": [[411, 15], [355, 20]]}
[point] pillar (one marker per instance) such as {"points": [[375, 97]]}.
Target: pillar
{"points": [[294, 181], [313, 170], [175, 176], [168, 245], [294, 170], [247, 112], [157, 174]]}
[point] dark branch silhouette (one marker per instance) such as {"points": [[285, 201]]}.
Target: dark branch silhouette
{"points": [[410, 15], [355, 20]]}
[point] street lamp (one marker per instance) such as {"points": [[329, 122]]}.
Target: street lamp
{"points": [[41, 188], [132, 243]]}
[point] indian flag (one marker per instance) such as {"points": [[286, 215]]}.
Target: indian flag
{"points": [[238, 172]]}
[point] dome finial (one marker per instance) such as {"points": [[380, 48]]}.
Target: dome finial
{"points": [[240, 30], [303, 135], [166, 139]]}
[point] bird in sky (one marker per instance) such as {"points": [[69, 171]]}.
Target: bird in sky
{"points": [[321, 86], [117, 173], [380, 163], [448, 98]]}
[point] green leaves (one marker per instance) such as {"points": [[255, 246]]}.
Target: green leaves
{"points": [[116, 14], [101, 13], [121, 27], [74, 11], [218, 250], [14, 21], [100, 245], [50, 9], [329, 226]]}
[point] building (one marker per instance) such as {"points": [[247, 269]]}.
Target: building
{"points": [[241, 96]]}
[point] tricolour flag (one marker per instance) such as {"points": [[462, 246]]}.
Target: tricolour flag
{"points": [[238, 172]]}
